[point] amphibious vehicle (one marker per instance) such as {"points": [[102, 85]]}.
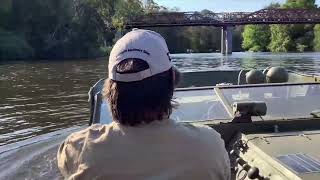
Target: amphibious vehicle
{"points": [[271, 128], [269, 120]]}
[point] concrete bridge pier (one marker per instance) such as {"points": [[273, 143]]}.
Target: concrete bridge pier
{"points": [[226, 40]]}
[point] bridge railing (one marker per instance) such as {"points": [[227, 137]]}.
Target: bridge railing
{"points": [[264, 16]]}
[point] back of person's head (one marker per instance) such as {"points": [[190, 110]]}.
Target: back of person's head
{"points": [[141, 79]]}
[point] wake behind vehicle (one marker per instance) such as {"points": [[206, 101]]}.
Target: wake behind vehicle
{"points": [[271, 130]]}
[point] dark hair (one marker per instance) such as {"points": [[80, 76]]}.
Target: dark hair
{"points": [[145, 101]]}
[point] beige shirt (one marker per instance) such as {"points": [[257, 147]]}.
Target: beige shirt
{"points": [[163, 150]]}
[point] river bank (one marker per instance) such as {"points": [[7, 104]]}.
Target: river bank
{"points": [[30, 61]]}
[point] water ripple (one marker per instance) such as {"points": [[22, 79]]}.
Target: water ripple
{"points": [[41, 97]]}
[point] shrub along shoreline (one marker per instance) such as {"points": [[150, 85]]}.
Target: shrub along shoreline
{"points": [[82, 29]]}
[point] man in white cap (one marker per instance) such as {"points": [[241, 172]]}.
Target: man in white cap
{"points": [[143, 143]]}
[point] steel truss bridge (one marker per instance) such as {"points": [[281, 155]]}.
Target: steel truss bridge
{"points": [[226, 20], [264, 16]]}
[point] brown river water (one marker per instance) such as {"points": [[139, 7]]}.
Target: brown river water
{"points": [[40, 97]]}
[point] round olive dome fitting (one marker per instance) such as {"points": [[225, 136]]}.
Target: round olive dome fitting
{"points": [[277, 75], [255, 77]]}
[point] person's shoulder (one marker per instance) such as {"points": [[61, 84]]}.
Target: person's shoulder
{"points": [[209, 142], [76, 141], [71, 149], [90, 132], [202, 130], [205, 135]]}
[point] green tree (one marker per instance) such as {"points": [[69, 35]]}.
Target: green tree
{"points": [[302, 35], [151, 6], [300, 4], [203, 39], [316, 40], [43, 23], [5, 10], [63, 29], [293, 37], [280, 38], [124, 10], [256, 37], [13, 47]]}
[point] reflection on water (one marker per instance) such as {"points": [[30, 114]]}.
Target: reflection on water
{"points": [[37, 98], [301, 62], [41, 97]]}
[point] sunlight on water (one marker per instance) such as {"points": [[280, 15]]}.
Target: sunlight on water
{"points": [[41, 97]]}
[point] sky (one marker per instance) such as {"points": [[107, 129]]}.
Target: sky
{"points": [[219, 5]]}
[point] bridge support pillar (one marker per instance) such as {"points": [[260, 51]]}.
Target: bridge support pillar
{"points": [[226, 40]]}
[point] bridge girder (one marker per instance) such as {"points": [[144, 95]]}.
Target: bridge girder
{"points": [[264, 16]]}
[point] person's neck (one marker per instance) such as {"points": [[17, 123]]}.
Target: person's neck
{"points": [[156, 117]]}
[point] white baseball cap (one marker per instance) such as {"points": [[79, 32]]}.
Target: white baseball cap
{"points": [[146, 45]]}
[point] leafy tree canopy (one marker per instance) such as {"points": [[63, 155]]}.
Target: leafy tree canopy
{"points": [[300, 4], [256, 38], [293, 37], [280, 38]]}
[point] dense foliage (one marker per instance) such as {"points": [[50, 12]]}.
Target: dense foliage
{"points": [[293, 37], [14, 47], [283, 38], [54, 29], [256, 38], [60, 29], [316, 40], [300, 4], [280, 38]]}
